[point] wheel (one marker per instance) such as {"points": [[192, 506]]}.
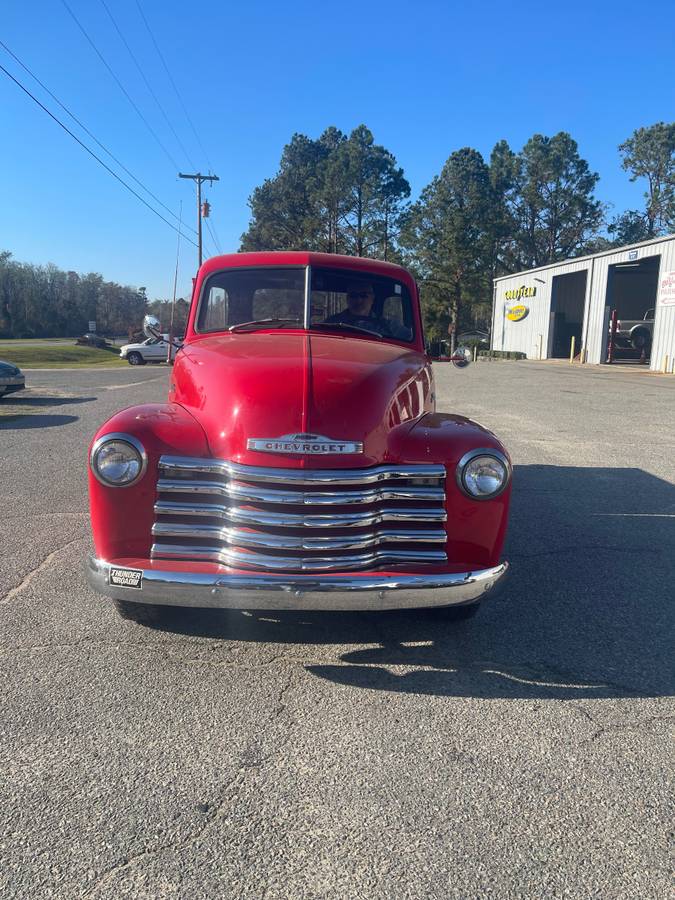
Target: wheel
{"points": [[135, 359], [454, 613], [142, 613], [641, 339]]}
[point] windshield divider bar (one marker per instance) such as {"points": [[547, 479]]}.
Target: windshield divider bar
{"points": [[308, 283]]}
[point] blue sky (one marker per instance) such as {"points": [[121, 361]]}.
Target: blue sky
{"points": [[426, 77]]}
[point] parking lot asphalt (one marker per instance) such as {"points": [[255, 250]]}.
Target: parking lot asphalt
{"points": [[525, 753]]}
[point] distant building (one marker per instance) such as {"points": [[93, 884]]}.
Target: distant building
{"points": [[539, 311]]}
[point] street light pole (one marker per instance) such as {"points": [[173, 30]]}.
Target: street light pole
{"points": [[199, 179]]}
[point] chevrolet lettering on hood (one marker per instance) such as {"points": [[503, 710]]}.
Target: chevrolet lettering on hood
{"points": [[304, 443], [299, 462]]}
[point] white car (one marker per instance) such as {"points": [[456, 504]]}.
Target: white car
{"points": [[151, 350]]}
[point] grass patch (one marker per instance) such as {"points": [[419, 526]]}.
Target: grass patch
{"points": [[51, 356], [9, 342]]}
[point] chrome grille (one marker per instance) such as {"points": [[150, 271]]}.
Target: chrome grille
{"points": [[299, 520]]}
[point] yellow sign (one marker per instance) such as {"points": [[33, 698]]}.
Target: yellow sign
{"points": [[520, 292], [516, 313]]}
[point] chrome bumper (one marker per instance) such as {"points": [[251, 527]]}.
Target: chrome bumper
{"points": [[329, 592]]}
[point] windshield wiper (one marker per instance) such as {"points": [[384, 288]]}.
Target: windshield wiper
{"points": [[346, 325], [259, 322]]}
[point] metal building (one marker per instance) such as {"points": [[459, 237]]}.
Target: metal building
{"points": [[539, 311]]}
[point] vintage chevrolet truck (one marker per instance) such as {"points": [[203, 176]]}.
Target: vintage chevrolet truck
{"points": [[299, 462]]}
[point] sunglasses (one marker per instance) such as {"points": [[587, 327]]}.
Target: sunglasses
{"points": [[360, 295]]}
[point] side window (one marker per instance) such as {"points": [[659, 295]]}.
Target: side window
{"points": [[216, 309], [392, 309]]}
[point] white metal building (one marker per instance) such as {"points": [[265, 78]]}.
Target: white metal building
{"points": [[539, 311]]}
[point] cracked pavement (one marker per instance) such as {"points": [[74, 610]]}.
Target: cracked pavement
{"points": [[525, 753]]}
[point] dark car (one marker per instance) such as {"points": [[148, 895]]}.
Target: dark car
{"points": [[93, 340], [11, 378]]}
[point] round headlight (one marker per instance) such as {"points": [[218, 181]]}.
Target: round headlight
{"points": [[118, 460], [483, 474]]}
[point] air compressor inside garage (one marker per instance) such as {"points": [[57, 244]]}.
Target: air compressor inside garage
{"points": [[617, 306]]}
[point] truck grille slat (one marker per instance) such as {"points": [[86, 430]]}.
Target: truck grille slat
{"points": [[299, 520], [263, 517]]}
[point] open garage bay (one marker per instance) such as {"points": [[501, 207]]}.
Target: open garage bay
{"points": [[526, 752]]}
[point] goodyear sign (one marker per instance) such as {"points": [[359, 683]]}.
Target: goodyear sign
{"points": [[516, 313], [519, 293]]}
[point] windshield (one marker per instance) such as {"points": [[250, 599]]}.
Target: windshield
{"points": [[345, 300], [340, 300], [275, 298]]}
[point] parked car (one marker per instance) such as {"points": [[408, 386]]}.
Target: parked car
{"points": [[93, 340], [635, 333], [153, 349], [11, 378], [299, 461]]}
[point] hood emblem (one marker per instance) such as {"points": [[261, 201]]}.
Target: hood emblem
{"points": [[310, 444]]}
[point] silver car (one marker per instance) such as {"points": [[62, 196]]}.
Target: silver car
{"points": [[11, 378]]}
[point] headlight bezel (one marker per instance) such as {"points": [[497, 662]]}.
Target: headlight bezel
{"points": [[474, 454], [117, 436]]}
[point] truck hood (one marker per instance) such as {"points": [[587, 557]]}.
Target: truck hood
{"points": [[271, 385]]}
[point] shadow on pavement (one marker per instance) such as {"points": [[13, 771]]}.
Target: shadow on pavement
{"points": [[19, 400], [587, 612], [28, 420]]}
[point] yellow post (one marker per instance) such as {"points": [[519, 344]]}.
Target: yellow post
{"points": [[572, 349], [665, 365]]}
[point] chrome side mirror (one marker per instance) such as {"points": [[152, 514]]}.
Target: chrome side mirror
{"points": [[461, 357], [152, 327]]}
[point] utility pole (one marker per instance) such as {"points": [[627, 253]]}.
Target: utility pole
{"points": [[199, 178]]}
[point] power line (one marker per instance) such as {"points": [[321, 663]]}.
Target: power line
{"points": [[90, 134], [173, 84], [216, 243], [214, 234], [120, 85], [91, 153], [147, 83]]}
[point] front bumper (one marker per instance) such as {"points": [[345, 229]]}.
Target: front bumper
{"points": [[12, 384], [329, 592]]}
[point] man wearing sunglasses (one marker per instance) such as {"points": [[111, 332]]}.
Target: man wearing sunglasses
{"points": [[360, 299]]}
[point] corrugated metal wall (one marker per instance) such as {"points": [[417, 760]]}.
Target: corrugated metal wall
{"points": [[529, 333], [532, 332]]}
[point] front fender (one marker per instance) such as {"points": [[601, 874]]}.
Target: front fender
{"points": [[122, 518], [476, 529]]}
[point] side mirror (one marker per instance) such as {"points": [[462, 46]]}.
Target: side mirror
{"points": [[461, 357], [152, 327]]}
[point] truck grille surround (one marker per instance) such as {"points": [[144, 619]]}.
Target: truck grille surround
{"points": [[299, 520]]}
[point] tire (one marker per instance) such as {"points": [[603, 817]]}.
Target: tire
{"points": [[454, 613], [641, 340], [141, 613], [135, 359]]}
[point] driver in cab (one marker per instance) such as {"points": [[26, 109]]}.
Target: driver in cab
{"points": [[360, 299]]}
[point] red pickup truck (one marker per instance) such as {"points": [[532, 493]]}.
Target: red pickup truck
{"points": [[299, 461]]}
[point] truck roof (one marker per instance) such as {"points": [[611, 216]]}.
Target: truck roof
{"points": [[304, 258]]}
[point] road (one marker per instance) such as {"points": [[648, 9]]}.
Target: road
{"points": [[525, 753]]}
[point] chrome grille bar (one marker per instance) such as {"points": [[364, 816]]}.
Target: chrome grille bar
{"points": [[237, 558], [315, 498], [299, 520], [231, 470], [239, 537], [289, 519]]}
